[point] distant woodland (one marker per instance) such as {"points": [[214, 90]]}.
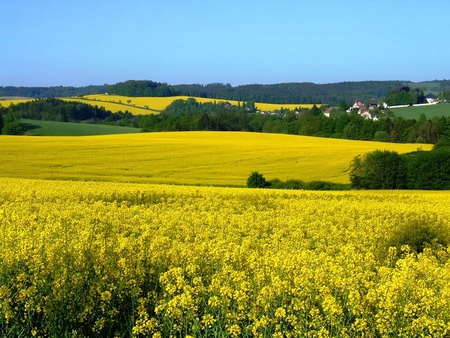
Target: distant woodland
{"points": [[287, 93], [191, 115]]}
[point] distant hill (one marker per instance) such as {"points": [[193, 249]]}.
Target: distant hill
{"points": [[55, 91], [285, 93]]}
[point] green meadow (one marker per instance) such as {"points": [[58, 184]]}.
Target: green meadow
{"points": [[52, 128]]}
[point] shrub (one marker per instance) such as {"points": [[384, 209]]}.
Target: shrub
{"points": [[442, 143], [256, 180], [378, 170], [429, 170], [381, 136]]}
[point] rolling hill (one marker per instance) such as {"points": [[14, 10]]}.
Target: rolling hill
{"points": [[203, 158]]}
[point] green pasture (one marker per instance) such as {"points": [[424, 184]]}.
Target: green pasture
{"points": [[52, 128], [437, 110]]}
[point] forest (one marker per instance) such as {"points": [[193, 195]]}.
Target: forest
{"points": [[191, 115], [184, 115], [295, 92], [420, 170]]}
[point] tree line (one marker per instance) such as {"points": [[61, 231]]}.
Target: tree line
{"points": [[190, 115], [54, 91], [286, 93], [421, 170], [405, 96], [52, 109], [397, 92]]}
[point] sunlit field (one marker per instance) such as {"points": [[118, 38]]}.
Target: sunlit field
{"points": [[437, 110], [205, 158], [8, 102], [118, 102], [84, 259], [153, 105]]}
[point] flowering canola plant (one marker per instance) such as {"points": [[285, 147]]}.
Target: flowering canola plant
{"points": [[84, 259]]}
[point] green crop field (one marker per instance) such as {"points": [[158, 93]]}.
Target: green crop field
{"points": [[52, 128], [437, 110]]}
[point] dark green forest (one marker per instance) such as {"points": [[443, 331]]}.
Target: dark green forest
{"points": [[296, 92], [55, 91], [421, 170], [275, 93]]}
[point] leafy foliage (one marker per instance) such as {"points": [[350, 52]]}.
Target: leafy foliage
{"points": [[11, 124], [256, 180], [183, 115], [422, 170], [55, 91], [429, 170], [380, 169], [405, 96]]}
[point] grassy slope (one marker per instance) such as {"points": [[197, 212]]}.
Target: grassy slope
{"points": [[210, 158], [437, 110], [51, 128]]}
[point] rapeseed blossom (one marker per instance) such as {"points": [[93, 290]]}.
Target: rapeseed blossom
{"points": [[114, 259]]}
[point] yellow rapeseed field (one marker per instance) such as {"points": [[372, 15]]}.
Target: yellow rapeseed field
{"points": [[152, 105], [103, 259], [117, 102], [7, 103], [114, 106], [207, 158]]}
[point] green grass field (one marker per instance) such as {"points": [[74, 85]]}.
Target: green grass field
{"points": [[437, 110], [52, 128]]}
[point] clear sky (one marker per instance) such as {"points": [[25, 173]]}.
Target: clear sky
{"points": [[80, 42]]}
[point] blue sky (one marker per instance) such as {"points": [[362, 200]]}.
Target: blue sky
{"points": [[77, 43]]}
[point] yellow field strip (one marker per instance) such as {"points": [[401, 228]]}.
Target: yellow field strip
{"points": [[208, 158], [152, 105]]}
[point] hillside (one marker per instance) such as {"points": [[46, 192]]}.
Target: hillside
{"points": [[286, 93], [53, 128], [150, 105], [205, 158]]}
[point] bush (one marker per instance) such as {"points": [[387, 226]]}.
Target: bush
{"points": [[378, 170], [429, 170], [256, 180], [382, 136], [442, 143]]}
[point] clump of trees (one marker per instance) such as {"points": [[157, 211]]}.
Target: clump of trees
{"points": [[185, 115], [405, 96], [256, 180], [422, 170], [10, 124], [143, 88]]}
